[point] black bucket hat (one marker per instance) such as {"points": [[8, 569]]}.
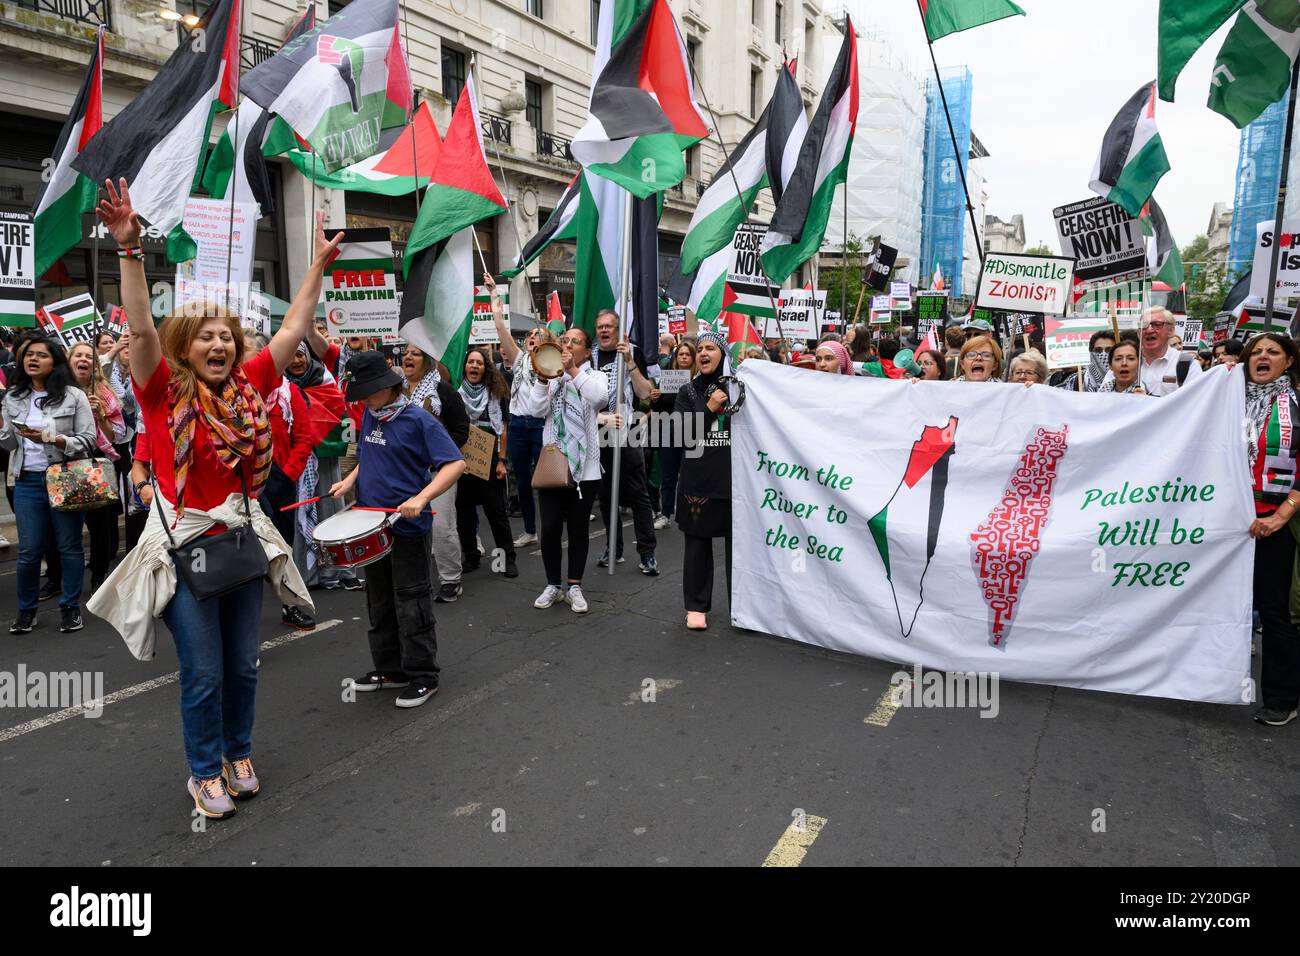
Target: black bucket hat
{"points": [[367, 373]]}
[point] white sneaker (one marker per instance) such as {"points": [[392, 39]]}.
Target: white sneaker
{"points": [[662, 522], [525, 539], [479, 542], [548, 597], [4, 542], [573, 597]]}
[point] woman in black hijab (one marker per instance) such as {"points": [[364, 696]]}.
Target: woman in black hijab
{"points": [[704, 486]]}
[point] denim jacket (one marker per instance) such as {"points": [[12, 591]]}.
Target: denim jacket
{"points": [[72, 418]]}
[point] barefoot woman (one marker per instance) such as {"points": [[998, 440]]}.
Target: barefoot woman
{"points": [[205, 415]]}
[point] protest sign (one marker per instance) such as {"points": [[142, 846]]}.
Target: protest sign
{"points": [[671, 380], [799, 310], [1102, 238], [483, 329], [880, 309], [257, 311], [72, 320], [944, 516], [880, 265], [115, 322], [831, 321], [1250, 320], [221, 273], [1015, 282], [360, 289], [931, 308], [1288, 265], [747, 289], [676, 320], [478, 453], [1066, 340], [17, 278], [1188, 330]]}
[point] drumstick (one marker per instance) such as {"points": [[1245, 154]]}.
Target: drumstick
{"points": [[391, 511], [299, 504]]}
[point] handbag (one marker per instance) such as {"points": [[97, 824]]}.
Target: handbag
{"points": [[552, 470], [216, 564], [81, 484]]}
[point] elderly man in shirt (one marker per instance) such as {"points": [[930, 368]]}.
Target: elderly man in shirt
{"points": [[1160, 360]]}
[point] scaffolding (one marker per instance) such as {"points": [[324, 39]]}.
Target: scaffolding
{"points": [[943, 212], [1259, 162]]}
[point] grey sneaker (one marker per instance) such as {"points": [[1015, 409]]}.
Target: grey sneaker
{"points": [[1275, 716], [448, 593], [573, 597], [211, 798], [548, 597], [26, 620], [241, 781], [525, 539], [662, 521]]}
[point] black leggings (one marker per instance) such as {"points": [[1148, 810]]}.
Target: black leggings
{"points": [[697, 572], [563, 508], [1280, 653], [490, 495]]}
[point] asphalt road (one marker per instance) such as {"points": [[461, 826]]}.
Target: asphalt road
{"points": [[539, 749]]}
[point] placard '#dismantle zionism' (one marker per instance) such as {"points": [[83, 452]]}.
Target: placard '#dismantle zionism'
{"points": [[1036, 533]]}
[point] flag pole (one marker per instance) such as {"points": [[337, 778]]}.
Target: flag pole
{"points": [[726, 160], [961, 167], [1281, 201], [844, 276], [236, 158], [625, 291], [415, 108]]}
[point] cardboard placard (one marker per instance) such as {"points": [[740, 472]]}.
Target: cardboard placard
{"points": [[17, 270], [478, 453], [671, 380]]}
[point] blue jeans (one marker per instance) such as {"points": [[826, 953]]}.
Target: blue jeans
{"points": [[35, 519], [217, 643], [524, 445]]}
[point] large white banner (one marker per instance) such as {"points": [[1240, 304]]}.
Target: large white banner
{"points": [[1093, 540]]}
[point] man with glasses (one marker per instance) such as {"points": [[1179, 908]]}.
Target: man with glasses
{"points": [[1164, 368]]}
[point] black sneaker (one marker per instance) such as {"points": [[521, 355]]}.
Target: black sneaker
{"points": [[295, 616], [49, 590], [70, 619], [24, 623], [416, 694], [353, 584], [377, 681], [470, 563], [448, 593], [649, 565], [512, 569], [1275, 716], [604, 559]]}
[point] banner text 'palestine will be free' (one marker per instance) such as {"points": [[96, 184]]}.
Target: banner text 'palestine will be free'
{"points": [[993, 528]]}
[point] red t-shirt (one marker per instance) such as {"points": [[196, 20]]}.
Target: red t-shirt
{"points": [[209, 482]]}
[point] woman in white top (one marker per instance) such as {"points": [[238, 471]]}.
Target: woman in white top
{"points": [[569, 404]]}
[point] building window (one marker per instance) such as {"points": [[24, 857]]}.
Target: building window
{"points": [[809, 37], [755, 92], [693, 56], [453, 73], [533, 103], [595, 21], [779, 32], [534, 8], [756, 12]]}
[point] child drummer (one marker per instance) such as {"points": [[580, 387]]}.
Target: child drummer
{"points": [[399, 449]]}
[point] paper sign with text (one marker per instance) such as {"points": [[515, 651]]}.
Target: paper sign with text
{"points": [[360, 287], [1014, 282]]}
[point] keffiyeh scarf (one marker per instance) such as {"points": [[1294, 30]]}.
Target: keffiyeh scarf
{"points": [[427, 389], [479, 400], [568, 412], [237, 424], [1260, 400]]}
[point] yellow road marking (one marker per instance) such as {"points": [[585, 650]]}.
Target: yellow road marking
{"points": [[888, 705], [795, 841]]}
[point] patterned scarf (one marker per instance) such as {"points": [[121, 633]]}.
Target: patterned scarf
{"points": [[1095, 374], [237, 425], [1109, 386], [1260, 400], [427, 389], [307, 513], [570, 425], [610, 372], [477, 401], [392, 409]]}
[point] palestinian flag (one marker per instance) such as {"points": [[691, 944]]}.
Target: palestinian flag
{"points": [[755, 163], [259, 135], [799, 221], [740, 335], [561, 224], [1132, 157], [157, 142], [554, 315], [438, 300], [1184, 26], [67, 194], [402, 168], [340, 84], [702, 291], [906, 529], [1253, 70], [71, 320], [1164, 261], [642, 112], [943, 17], [1238, 294], [936, 281]]}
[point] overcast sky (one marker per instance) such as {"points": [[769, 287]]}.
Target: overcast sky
{"points": [[1045, 87]]}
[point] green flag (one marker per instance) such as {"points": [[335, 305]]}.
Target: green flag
{"points": [[1253, 70], [943, 17], [1184, 26]]}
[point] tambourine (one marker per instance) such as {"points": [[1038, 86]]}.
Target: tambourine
{"points": [[738, 390], [548, 361]]}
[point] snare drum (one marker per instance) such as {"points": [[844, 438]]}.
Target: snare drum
{"points": [[353, 539]]}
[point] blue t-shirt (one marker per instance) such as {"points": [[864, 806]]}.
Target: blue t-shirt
{"points": [[397, 459]]}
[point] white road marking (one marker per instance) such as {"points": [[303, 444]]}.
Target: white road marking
{"points": [[136, 689]]}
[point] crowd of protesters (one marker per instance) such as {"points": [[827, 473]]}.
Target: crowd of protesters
{"points": [[217, 430]]}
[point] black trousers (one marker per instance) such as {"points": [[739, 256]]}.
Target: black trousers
{"points": [[399, 597], [632, 493], [697, 572], [280, 490], [104, 539], [473, 493], [1280, 653], [564, 509]]}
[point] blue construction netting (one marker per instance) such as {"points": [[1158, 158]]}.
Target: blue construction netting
{"points": [[1259, 162], [943, 210]]}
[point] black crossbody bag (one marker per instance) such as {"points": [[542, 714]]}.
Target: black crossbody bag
{"points": [[216, 564]]}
